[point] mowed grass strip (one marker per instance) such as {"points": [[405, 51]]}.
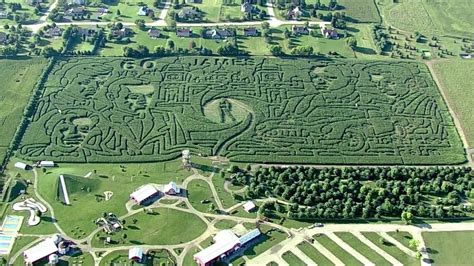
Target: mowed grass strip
{"points": [[335, 249], [200, 195], [361, 10], [314, 254], [391, 249], [457, 82], [403, 237], [450, 248], [362, 248], [292, 259]]}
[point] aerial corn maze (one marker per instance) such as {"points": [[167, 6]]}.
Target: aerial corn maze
{"points": [[255, 109]]}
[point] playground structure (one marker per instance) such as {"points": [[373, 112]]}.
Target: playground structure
{"points": [[108, 195], [64, 190], [110, 223], [33, 207]]}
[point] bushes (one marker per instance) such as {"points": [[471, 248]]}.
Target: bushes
{"points": [[281, 110]]}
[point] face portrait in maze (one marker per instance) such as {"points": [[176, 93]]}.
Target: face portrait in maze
{"points": [[249, 109]]}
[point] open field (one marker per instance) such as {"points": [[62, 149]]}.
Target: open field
{"points": [[87, 203], [363, 11], [200, 195], [402, 237], [269, 239], [18, 78], [450, 248], [457, 81], [163, 227], [452, 17], [381, 113]]}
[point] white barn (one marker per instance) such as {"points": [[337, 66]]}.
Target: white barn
{"points": [[143, 193], [171, 188]]}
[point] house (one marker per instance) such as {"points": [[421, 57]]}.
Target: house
{"points": [[77, 11], [143, 11], [189, 13], [249, 206], [121, 33], [86, 32], [219, 33], [45, 248], [225, 243], [154, 33], [144, 193], [20, 165], [3, 40], [184, 32], [34, 2], [3, 14], [246, 8], [52, 32], [171, 188], [135, 254], [250, 31], [300, 30], [194, 1], [76, 2], [295, 13], [46, 163], [101, 11], [329, 33]]}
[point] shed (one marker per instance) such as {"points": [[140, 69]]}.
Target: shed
{"points": [[249, 206], [143, 193], [135, 254], [21, 165], [46, 164]]}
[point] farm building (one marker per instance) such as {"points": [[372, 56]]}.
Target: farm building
{"points": [[249, 206], [21, 165], [144, 193], [171, 188], [45, 248], [46, 164], [225, 243], [135, 254]]}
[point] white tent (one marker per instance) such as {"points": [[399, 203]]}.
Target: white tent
{"points": [[43, 249], [135, 253], [143, 193]]}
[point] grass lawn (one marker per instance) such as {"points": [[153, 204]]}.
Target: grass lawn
{"points": [[402, 237], [163, 227], [365, 43], [225, 224], [314, 254], [361, 10], [128, 11], [225, 197], [362, 248], [292, 259], [335, 249], [188, 258], [210, 8], [458, 84], [18, 77], [86, 206], [268, 239], [391, 249], [450, 248], [199, 192]]}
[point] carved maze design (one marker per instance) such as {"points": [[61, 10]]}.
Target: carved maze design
{"points": [[268, 110]]}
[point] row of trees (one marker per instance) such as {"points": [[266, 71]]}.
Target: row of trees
{"points": [[364, 192]]}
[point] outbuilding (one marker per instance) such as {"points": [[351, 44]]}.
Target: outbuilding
{"points": [[21, 165], [135, 254], [46, 164], [249, 206], [144, 193], [42, 250]]}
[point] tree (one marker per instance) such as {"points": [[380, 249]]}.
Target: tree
{"points": [[414, 244], [170, 44], [140, 23], [212, 207], [407, 217], [265, 25], [276, 50], [352, 42], [118, 12]]}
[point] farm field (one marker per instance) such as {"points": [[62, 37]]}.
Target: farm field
{"points": [[429, 16], [362, 11], [362, 248], [114, 110], [457, 82], [314, 254], [441, 247], [18, 77]]}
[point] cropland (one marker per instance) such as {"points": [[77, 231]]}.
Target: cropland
{"points": [[246, 109]]}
